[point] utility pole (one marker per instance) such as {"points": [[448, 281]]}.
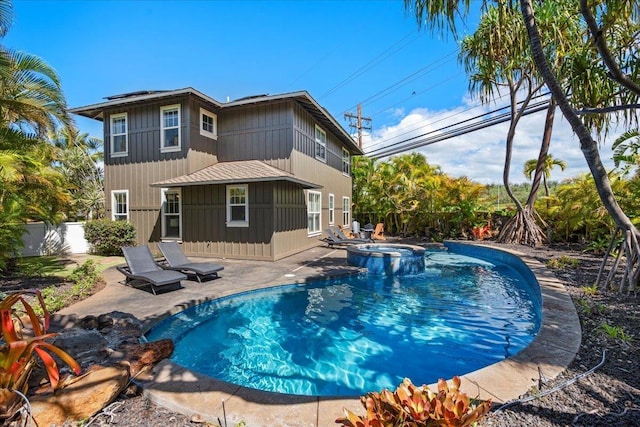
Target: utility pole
{"points": [[358, 123]]}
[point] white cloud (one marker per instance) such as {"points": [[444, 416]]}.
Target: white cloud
{"points": [[480, 155]]}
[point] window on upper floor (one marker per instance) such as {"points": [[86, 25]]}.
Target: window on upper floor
{"points": [[331, 209], [346, 211], [314, 212], [171, 213], [119, 138], [238, 205], [346, 162], [170, 128], [120, 205], [208, 124], [321, 144]]}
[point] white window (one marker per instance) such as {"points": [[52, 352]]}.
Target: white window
{"points": [[120, 205], [321, 144], [119, 145], [171, 213], [237, 205], [346, 211], [314, 210], [170, 128], [346, 162], [208, 124], [331, 209]]}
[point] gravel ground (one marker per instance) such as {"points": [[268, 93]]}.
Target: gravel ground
{"points": [[609, 396]]}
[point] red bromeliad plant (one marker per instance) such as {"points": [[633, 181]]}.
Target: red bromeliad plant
{"points": [[411, 406], [19, 344]]}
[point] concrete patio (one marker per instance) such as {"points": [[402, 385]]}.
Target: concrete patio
{"points": [[190, 393]]}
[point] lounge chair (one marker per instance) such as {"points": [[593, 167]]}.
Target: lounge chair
{"points": [[378, 232], [332, 239], [175, 260], [338, 232], [142, 267]]}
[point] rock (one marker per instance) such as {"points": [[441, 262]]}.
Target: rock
{"points": [[148, 354], [87, 347], [82, 399]]}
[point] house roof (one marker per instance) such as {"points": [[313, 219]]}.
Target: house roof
{"points": [[234, 173], [96, 111]]}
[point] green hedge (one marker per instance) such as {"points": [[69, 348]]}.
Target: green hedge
{"points": [[106, 237]]}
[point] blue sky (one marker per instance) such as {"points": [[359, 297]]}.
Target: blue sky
{"points": [[342, 52]]}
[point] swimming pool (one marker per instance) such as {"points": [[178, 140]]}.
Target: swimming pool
{"points": [[346, 336]]}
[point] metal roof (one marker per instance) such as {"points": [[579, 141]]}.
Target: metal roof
{"points": [[234, 173]]}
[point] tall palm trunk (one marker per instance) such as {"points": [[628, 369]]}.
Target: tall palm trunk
{"points": [[587, 144]]}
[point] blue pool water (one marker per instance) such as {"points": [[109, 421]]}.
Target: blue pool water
{"points": [[350, 335]]}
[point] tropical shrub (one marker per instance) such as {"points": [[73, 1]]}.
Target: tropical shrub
{"points": [[106, 237], [412, 406], [20, 342], [84, 278]]}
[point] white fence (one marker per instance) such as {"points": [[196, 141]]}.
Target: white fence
{"points": [[43, 239]]}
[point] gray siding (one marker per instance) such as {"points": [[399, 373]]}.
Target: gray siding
{"points": [[277, 222], [257, 133]]}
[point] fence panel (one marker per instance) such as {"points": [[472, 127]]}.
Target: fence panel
{"points": [[42, 239]]}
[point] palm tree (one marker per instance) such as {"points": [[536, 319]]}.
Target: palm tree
{"points": [[613, 16], [494, 61], [549, 163], [626, 149]]}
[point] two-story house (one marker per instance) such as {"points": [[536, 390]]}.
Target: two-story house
{"points": [[256, 178]]}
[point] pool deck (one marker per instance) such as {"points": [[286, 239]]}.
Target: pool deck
{"points": [[190, 393]]}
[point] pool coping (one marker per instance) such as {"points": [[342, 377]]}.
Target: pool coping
{"points": [[551, 351]]}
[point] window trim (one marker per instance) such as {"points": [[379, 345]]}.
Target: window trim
{"points": [[112, 135], [163, 148], [346, 211], [114, 204], [229, 222], [214, 134], [319, 142], [319, 212], [346, 162], [163, 214], [332, 205]]}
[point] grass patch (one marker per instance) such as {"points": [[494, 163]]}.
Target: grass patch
{"points": [[59, 266]]}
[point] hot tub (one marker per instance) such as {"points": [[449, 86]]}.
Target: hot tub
{"points": [[387, 258]]}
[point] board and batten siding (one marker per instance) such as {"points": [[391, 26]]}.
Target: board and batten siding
{"points": [[277, 222], [143, 128], [257, 132], [144, 201], [203, 150]]}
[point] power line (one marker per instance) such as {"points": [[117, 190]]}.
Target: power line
{"points": [[375, 61], [410, 129], [423, 141]]}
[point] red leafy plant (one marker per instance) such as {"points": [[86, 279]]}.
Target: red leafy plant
{"points": [[412, 406], [24, 334]]}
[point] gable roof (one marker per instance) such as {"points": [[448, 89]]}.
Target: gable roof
{"points": [[234, 173], [96, 111]]}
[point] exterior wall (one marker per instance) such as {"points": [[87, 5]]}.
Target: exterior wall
{"points": [[202, 150], [262, 132], [277, 222], [144, 200]]}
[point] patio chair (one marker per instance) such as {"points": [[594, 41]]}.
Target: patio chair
{"points": [[340, 234], [143, 268], [176, 260], [332, 239], [378, 232]]}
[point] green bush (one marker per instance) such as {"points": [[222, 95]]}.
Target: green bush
{"points": [[106, 237], [84, 278]]}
